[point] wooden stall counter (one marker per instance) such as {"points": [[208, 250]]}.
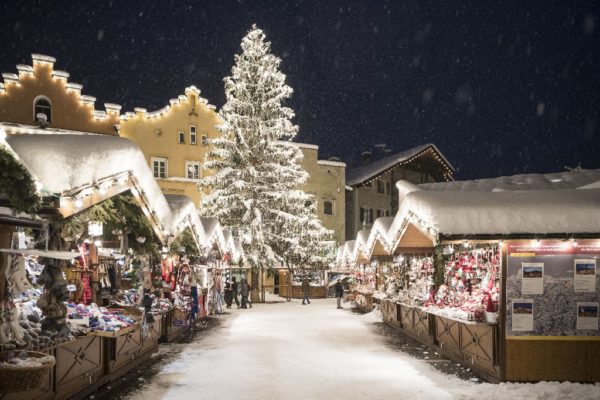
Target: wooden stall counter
{"points": [[416, 322], [475, 344], [390, 312]]}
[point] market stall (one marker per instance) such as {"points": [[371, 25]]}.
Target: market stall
{"points": [[503, 281]]}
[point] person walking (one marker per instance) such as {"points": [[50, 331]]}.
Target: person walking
{"points": [[235, 291], [339, 293], [245, 291], [305, 290]]}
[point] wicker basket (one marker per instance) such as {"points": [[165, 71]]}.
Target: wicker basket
{"points": [[180, 317], [22, 379]]}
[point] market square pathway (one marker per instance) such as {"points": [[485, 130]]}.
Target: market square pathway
{"points": [[291, 351]]}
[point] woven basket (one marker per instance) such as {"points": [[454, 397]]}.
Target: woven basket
{"points": [[22, 379], [180, 317]]}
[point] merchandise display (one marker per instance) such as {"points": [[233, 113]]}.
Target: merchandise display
{"points": [[470, 288], [84, 319]]}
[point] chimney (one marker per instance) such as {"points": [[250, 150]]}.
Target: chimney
{"points": [[366, 157]]}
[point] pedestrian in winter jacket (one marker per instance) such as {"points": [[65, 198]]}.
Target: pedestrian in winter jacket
{"points": [[339, 293], [305, 290], [245, 291]]}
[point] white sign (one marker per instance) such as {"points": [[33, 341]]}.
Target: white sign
{"points": [[532, 278], [587, 316], [585, 275], [71, 288], [522, 315]]}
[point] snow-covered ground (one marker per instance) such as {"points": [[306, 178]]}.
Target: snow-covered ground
{"points": [[291, 351]]}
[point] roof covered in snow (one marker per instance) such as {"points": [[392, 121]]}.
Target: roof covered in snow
{"points": [[75, 164], [561, 180], [462, 212], [363, 173], [565, 204]]}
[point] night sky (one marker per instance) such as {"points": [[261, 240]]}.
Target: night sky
{"points": [[501, 87]]}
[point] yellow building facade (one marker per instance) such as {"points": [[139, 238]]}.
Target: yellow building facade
{"points": [[174, 141], [326, 182], [39, 95]]}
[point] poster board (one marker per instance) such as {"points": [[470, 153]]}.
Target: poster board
{"points": [[554, 287]]}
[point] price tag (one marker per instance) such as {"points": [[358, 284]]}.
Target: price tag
{"points": [[71, 288]]}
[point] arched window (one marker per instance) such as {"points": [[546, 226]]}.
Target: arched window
{"points": [[42, 105]]}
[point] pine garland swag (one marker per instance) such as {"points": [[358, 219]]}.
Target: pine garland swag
{"points": [[17, 185]]}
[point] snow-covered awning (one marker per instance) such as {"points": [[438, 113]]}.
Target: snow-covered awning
{"points": [[565, 204], [503, 213], [360, 252], [85, 169]]}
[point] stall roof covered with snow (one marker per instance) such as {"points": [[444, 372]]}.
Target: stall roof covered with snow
{"points": [[86, 169], [560, 205]]}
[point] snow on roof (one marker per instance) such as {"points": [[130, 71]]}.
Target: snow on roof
{"points": [[63, 162], [485, 212], [210, 225], [363, 173], [360, 246], [379, 231], [565, 204], [348, 250], [214, 233], [562, 180]]}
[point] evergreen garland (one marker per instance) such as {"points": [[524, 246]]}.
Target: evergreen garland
{"points": [[185, 240], [17, 185], [439, 263]]}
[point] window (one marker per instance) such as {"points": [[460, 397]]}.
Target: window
{"points": [[42, 105], [388, 213], [192, 134], [388, 187], [380, 186], [328, 207], [204, 140], [380, 213], [366, 216], [159, 167], [181, 137], [192, 169]]}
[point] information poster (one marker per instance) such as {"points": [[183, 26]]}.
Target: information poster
{"points": [[558, 276], [532, 278], [587, 315], [522, 315], [585, 275]]}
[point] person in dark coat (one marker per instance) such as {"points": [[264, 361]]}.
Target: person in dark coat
{"points": [[339, 293], [305, 290], [245, 291], [235, 291]]}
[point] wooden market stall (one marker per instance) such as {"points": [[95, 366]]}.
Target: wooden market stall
{"points": [[514, 291]]}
